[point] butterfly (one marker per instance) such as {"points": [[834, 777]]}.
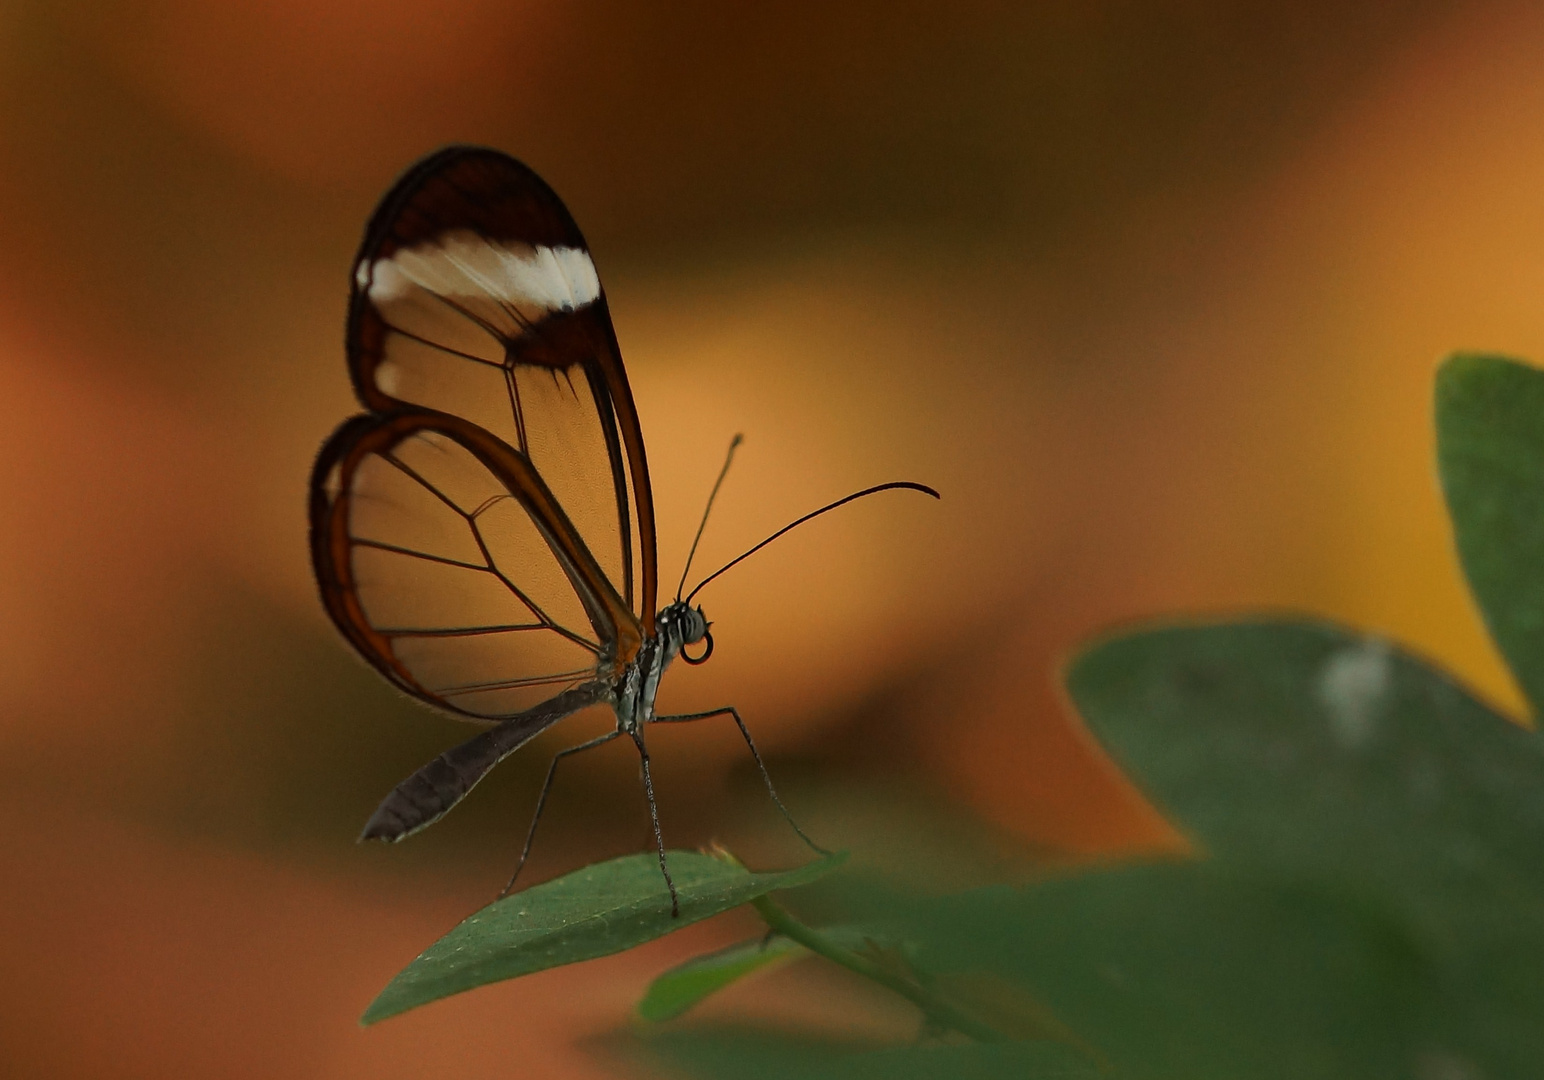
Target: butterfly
{"points": [[483, 534]]}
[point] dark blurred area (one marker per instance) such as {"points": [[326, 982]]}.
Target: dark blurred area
{"points": [[1151, 292]]}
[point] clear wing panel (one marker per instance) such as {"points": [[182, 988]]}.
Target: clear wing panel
{"points": [[562, 434], [389, 505], [413, 370], [461, 594], [512, 540], [405, 592]]}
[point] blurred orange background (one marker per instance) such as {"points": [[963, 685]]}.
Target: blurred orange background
{"points": [[1152, 292]]}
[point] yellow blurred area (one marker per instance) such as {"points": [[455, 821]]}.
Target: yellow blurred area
{"points": [[1152, 293]]}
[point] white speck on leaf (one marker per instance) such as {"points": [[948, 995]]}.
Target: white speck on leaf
{"points": [[1445, 1065], [1113, 975], [1354, 686]]}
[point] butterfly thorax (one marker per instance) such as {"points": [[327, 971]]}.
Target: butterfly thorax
{"points": [[677, 625]]}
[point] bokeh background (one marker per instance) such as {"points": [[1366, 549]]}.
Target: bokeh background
{"points": [[1153, 292]]}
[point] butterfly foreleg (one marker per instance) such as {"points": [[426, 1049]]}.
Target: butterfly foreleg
{"points": [[541, 800], [730, 710]]}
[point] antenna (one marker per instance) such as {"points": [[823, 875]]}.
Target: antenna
{"points": [[907, 484], [729, 457]]}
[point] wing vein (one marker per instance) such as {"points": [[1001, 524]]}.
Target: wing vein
{"points": [[488, 286], [514, 405], [459, 631], [467, 313], [516, 684], [392, 328], [429, 487], [381, 545], [547, 620]]}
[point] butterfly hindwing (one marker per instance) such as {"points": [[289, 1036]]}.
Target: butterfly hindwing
{"points": [[452, 568]]}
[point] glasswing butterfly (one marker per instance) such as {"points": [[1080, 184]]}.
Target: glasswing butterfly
{"points": [[483, 534]]}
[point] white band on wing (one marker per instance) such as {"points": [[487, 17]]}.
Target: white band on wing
{"points": [[463, 263]]}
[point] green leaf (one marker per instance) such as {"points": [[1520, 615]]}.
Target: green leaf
{"points": [[682, 987], [1374, 901], [1311, 749], [761, 1056], [597, 911], [1490, 454], [1185, 971]]}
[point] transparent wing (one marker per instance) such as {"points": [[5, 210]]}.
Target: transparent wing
{"points": [[452, 568], [474, 295]]}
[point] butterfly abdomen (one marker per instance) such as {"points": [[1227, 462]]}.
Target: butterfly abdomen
{"points": [[423, 798]]}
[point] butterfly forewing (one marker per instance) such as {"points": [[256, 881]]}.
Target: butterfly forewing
{"points": [[475, 295]]}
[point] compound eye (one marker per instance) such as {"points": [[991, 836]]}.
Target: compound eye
{"points": [[707, 650]]}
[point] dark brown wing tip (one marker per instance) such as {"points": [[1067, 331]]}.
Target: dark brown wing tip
{"points": [[468, 186]]}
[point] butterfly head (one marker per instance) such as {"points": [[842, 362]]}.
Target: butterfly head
{"points": [[682, 625]]}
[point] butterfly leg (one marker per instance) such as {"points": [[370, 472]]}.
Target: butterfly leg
{"points": [[730, 710], [659, 839], [541, 800]]}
